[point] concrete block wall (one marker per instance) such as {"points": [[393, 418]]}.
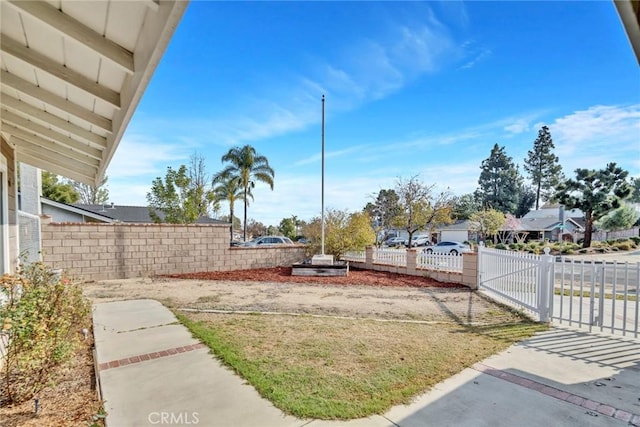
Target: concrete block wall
{"points": [[92, 251]]}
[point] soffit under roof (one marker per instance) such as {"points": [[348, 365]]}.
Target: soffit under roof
{"points": [[72, 74]]}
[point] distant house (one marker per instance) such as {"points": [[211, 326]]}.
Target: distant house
{"points": [[459, 231], [553, 223], [62, 212]]}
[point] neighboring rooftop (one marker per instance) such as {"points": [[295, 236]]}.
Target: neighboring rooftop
{"points": [[132, 214], [553, 211]]}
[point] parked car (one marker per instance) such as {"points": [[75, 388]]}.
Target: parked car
{"points": [[448, 247], [394, 242], [419, 240], [268, 241]]}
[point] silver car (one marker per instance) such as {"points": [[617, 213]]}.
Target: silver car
{"points": [[268, 241], [448, 247]]}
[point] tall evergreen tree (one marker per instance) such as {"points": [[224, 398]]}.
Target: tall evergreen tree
{"points": [[500, 183], [596, 193], [635, 193], [464, 206], [525, 202], [545, 171]]}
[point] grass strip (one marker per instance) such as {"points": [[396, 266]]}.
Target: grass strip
{"points": [[587, 294], [325, 368]]}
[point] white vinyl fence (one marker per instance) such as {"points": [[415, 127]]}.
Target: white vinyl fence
{"points": [[595, 295], [390, 256], [398, 257], [601, 296], [440, 262], [517, 279]]}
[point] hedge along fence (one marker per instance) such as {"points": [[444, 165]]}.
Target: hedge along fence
{"points": [[95, 251]]}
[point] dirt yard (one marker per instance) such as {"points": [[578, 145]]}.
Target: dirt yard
{"points": [[363, 294]]}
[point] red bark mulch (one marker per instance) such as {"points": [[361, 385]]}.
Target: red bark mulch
{"points": [[355, 277]]}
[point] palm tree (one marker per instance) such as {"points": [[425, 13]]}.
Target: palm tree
{"points": [[228, 188], [248, 167]]}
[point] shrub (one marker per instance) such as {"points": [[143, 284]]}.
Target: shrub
{"points": [[623, 246], [501, 246], [43, 317], [635, 239]]}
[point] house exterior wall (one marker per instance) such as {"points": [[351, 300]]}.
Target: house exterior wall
{"points": [[10, 222], [30, 189], [94, 251], [61, 215], [455, 235]]}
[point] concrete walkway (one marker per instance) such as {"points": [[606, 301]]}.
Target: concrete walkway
{"points": [[152, 372]]}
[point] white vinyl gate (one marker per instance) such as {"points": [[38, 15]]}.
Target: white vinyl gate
{"points": [[599, 296]]}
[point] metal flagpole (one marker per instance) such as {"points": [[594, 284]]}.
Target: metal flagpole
{"points": [[322, 175]]}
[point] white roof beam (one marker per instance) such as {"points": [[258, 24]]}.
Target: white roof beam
{"points": [[151, 44], [68, 26], [42, 162], [15, 121], [56, 150], [41, 62], [152, 4], [16, 105], [70, 160], [47, 97]]}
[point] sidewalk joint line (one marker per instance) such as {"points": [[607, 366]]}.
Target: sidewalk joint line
{"points": [[149, 356], [142, 328], [583, 402]]}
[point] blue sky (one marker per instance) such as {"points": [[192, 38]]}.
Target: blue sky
{"points": [[412, 89]]}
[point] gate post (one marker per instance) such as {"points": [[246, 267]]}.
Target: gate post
{"points": [[545, 286]]}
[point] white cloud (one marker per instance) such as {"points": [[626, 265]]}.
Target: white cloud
{"points": [[361, 71], [593, 137], [599, 126], [139, 155], [332, 154], [520, 126], [477, 54]]}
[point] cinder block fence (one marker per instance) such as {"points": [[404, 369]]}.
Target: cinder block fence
{"points": [[94, 251]]}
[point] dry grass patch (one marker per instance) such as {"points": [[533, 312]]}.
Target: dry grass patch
{"points": [[331, 368]]}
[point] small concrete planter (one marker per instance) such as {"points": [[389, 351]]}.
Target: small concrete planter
{"points": [[338, 268]]}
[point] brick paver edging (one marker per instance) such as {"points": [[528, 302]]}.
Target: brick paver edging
{"points": [[632, 419], [149, 356]]}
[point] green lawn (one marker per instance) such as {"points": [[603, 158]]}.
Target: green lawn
{"points": [[587, 294], [327, 368]]}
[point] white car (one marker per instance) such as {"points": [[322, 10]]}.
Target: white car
{"points": [[448, 247], [268, 241], [394, 242], [420, 240]]}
